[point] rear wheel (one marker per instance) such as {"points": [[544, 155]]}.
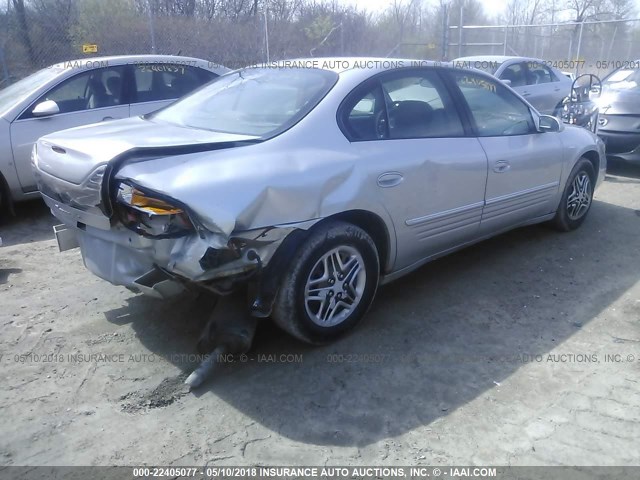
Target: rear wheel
{"points": [[577, 197], [4, 199], [329, 284]]}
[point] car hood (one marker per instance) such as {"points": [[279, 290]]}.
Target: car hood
{"points": [[619, 102], [72, 155]]}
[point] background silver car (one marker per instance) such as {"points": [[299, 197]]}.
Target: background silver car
{"points": [[81, 92], [544, 86], [313, 183]]}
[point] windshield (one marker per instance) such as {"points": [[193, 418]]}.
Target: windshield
{"points": [[624, 79], [253, 101], [14, 93]]}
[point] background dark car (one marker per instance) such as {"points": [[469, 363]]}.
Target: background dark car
{"points": [[619, 122]]}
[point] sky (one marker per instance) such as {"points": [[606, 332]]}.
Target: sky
{"points": [[492, 7]]}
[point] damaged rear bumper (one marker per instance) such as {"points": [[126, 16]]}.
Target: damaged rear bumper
{"points": [[165, 267]]}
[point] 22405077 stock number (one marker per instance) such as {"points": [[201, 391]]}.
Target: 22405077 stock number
{"points": [[358, 358], [599, 64], [166, 472], [212, 472]]}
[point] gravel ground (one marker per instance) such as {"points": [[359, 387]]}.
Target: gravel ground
{"points": [[520, 350]]}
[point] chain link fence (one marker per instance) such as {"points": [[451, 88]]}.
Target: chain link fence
{"points": [[590, 47], [117, 27], [37, 33]]}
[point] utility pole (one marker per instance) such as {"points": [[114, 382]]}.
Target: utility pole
{"points": [[266, 35], [506, 40], [460, 24], [151, 29], [445, 31], [579, 45]]}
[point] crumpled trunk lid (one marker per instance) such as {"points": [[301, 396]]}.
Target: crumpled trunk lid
{"points": [[74, 155]]}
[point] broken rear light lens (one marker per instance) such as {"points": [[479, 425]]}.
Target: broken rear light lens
{"points": [[149, 215], [154, 206]]}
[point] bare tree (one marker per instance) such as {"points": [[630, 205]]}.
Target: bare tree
{"points": [[21, 15], [208, 8], [403, 13]]}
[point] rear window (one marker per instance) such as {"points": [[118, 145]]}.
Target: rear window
{"points": [[253, 101]]}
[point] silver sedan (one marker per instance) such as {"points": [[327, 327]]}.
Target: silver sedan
{"points": [[313, 182], [80, 92]]}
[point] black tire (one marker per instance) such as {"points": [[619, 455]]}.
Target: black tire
{"points": [[4, 199], [295, 315], [566, 218]]}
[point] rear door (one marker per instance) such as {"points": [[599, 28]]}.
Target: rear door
{"points": [[430, 176], [156, 85], [529, 85], [88, 97], [524, 165], [516, 73], [544, 89]]}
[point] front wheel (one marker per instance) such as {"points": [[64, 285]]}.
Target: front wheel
{"points": [[329, 284], [577, 197]]}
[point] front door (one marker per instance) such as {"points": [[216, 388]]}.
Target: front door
{"points": [[524, 165], [544, 88]]}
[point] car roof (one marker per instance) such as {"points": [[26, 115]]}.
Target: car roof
{"points": [[354, 70], [496, 58], [127, 59], [341, 65]]}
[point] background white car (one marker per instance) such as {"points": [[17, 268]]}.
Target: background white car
{"points": [[544, 86], [81, 92]]}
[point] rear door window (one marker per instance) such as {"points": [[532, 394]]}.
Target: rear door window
{"points": [[420, 107], [401, 105], [539, 73], [516, 74], [163, 81]]}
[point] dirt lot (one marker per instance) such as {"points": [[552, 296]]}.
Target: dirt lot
{"points": [[520, 350]]}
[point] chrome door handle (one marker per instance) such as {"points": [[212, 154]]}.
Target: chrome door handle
{"points": [[501, 166], [390, 179], [108, 118]]}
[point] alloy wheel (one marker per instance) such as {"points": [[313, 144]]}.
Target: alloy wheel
{"points": [[579, 198], [335, 286]]}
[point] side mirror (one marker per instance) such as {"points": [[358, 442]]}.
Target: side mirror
{"points": [[45, 109], [547, 123], [506, 82]]}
